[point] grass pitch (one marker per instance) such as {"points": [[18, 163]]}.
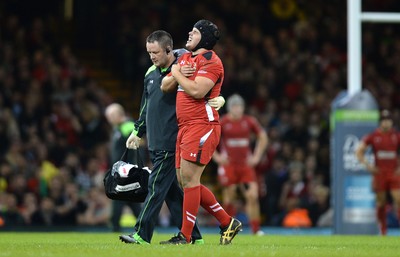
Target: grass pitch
{"points": [[73, 244]]}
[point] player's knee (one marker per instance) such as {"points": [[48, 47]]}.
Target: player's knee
{"points": [[380, 204], [252, 198], [188, 183]]}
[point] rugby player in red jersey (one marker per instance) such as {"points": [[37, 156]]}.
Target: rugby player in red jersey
{"points": [[236, 159], [199, 129], [385, 143]]}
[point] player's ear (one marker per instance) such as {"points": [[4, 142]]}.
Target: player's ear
{"points": [[168, 50]]}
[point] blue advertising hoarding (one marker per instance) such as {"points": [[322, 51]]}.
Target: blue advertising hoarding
{"points": [[353, 200]]}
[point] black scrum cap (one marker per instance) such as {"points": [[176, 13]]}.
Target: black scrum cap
{"points": [[209, 34]]}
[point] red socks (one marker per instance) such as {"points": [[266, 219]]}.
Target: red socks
{"points": [[381, 215], [191, 203], [192, 199], [230, 209], [209, 203], [255, 226]]}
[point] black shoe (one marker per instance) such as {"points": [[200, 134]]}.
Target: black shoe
{"points": [[230, 231], [179, 239], [128, 239]]}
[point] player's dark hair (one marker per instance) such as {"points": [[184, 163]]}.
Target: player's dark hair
{"points": [[163, 38], [385, 115]]}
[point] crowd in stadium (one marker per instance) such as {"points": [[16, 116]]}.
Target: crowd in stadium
{"points": [[287, 59]]}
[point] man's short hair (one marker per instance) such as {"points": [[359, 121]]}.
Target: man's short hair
{"points": [[234, 99], [163, 38]]}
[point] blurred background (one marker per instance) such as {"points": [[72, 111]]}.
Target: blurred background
{"points": [[63, 61]]}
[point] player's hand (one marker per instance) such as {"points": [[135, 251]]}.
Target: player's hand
{"points": [[175, 69], [221, 159], [372, 169], [252, 161], [188, 70], [133, 141], [217, 102]]}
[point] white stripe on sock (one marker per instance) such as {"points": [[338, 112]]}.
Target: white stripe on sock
{"points": [[215, 205], [217, 209], [190, 217]]}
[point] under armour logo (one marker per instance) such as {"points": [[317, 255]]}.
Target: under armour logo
{"points": [[192, 155]]}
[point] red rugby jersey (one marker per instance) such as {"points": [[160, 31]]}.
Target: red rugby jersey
{"points": [[384, 146], [190, 110], [236, 135]]}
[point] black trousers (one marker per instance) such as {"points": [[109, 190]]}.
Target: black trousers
{"points": [[163, 185]]}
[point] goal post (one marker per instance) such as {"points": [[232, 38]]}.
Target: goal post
{"points": [[354, 113], [355, 18]]}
